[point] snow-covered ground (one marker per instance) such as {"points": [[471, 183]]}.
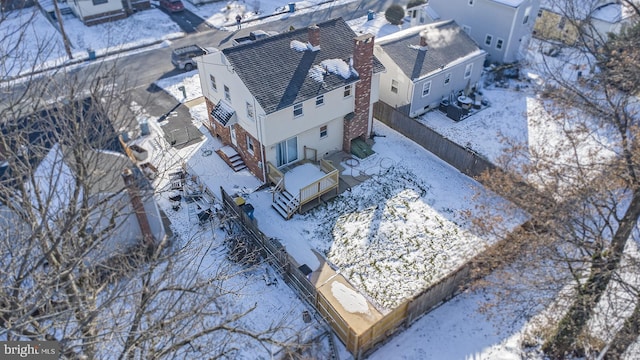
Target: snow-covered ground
{"points": [[458, 329]]}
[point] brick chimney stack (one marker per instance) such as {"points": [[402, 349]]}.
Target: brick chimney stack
{"points": [[314, 35], [359, 126], [423, 39], [138, 207]]}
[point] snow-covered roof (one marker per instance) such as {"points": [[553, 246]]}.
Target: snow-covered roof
{"points": [[277, 69], [447, 44]]}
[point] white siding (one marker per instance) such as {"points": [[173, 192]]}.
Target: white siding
{"points": [[84, 8]]}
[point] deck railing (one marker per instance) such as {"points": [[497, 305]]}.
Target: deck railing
{"points": [[274, 175], [322, 186]]}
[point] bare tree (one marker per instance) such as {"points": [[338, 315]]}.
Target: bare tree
{"points": [[581, 186], [78, 264]]}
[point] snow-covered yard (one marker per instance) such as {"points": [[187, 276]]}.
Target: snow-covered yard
{"points": [[391, 236]]}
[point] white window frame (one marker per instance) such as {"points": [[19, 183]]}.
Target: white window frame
{"points": [[212, 82], [468, 70], [527, 14], [319, 100], [250, 148], [447, 79], [323, 131], [426, 87], [488, 39], [394, 86], [499, 43], [250, 111], [227, 93], [298, 110], [347, 91]]}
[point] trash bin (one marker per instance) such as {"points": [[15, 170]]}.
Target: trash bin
{"points": [[248, 209], [92, 54], [292, 7], [144, 127], [370, 15]]}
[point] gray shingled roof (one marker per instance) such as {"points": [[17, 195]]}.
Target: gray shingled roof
{"points": [[446, 43], [278, 76]]}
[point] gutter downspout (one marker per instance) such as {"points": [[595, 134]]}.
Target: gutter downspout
{"points": [[259, 119]]}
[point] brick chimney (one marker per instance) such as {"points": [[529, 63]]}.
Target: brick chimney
{"points": [[138, 207], [423, 39], [359, 125], [314, 35]]}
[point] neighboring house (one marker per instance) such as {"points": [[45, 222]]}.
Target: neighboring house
{"points": [[562, 20], [500, 27], [293, 96], [426, 64], [92, 12], [116, 191]]}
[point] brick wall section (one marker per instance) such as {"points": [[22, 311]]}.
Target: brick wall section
{"points": [[358, 126], [224, 134], [250, 160], [138, 207], [216, 128]]}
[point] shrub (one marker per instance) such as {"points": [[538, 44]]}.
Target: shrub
{"points": [[394, 14], [413, 3]]}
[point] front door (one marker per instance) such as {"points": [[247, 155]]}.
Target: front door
{"points": [[234, 141], [287, 151]]}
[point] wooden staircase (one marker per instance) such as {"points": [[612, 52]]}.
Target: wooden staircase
{"points": [[284, 203]]}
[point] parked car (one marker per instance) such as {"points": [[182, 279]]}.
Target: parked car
{"points": [[172, 5], [253, 36], [183, 58]]}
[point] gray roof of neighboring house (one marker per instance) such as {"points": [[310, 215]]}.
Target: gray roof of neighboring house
{"points": [[278, 75], [446, 44]]}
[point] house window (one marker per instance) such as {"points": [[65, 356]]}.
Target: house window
{"points": [[527, 12], [287, 152], [319, 100], [347, 91], [447, 79], [426, 88], [499, 44], [98, 2], [562, 23], [227, 93], [297, 110], [394, 86], [488, 40], [250, 145], [212, 80], [323, 131], [466, 29], [249, 111], [467, 71]]}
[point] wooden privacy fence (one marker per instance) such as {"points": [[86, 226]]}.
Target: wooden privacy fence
{"points": [[359, 343], [464, 159]]}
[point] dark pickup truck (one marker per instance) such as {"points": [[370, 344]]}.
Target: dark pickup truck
{"points": [[253, 36], [183, 58]]}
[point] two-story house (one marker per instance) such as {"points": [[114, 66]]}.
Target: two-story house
{"points": [[502, 28], [563, 20], [274, 99], [427, 63]]}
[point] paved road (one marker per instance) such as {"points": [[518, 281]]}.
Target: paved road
{"points": [[138, 70], [188, 21]]}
